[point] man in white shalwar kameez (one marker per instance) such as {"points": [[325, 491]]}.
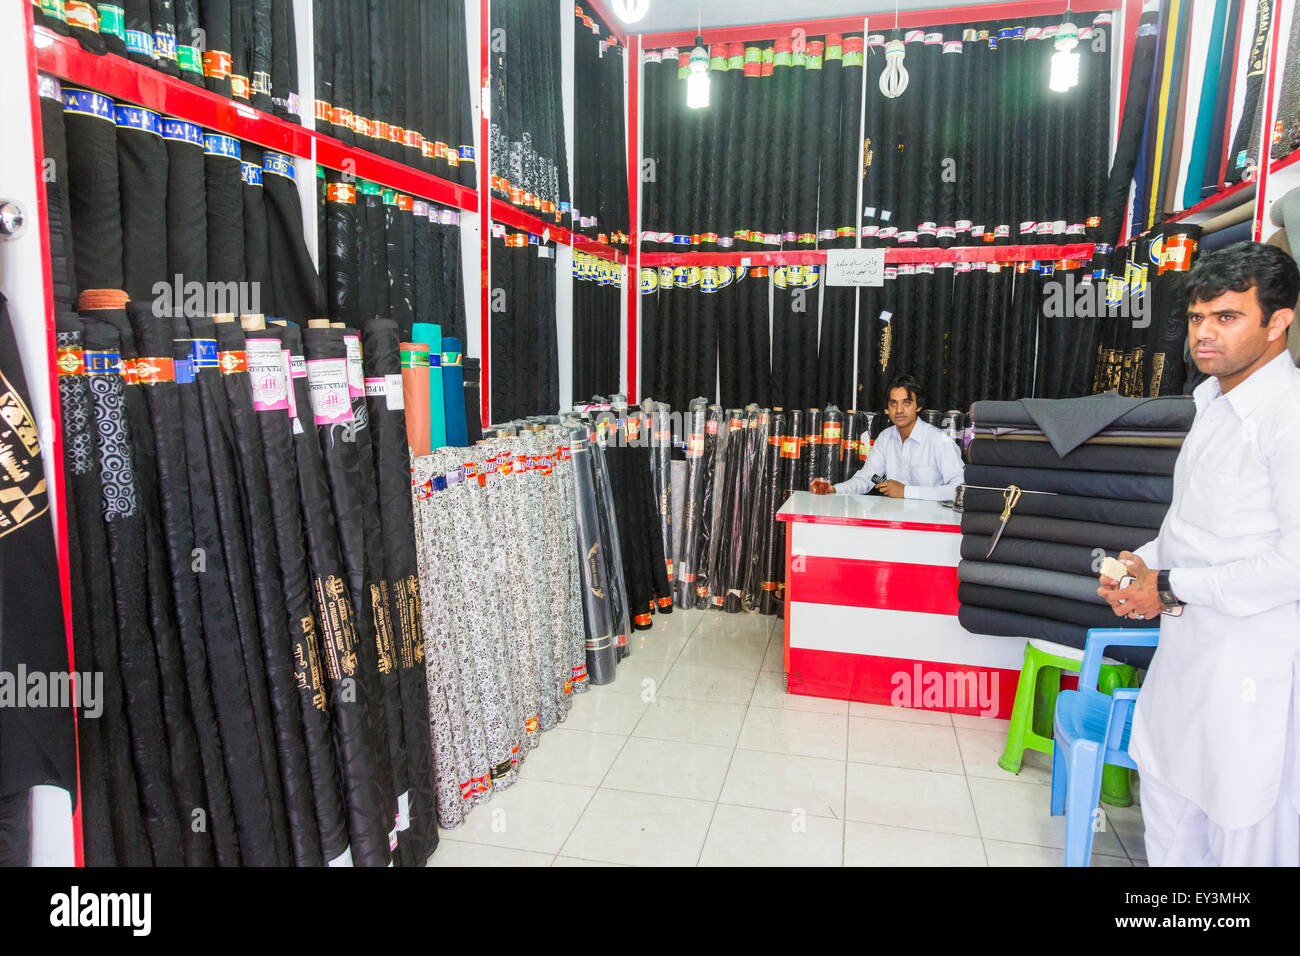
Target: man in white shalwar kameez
{"points": [[1214, 732]]}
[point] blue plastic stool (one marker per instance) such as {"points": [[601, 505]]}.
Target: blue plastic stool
{"points": [[1091, 730]]}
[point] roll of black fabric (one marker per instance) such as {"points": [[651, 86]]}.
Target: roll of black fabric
{"points": [[342, 267], [136, 17], [1038, 605], [473, 400], [215, 16], [999, 623], [284, 63], [183, 751], [95, 742], [50, 15], [189, 56], [299, 295], [1129, 459], [94, 198], [1098, 484], [335, 417], [1131, 128], [268, 591], [392, 469], [1070, 558], [596, 606], [63, 275], [257, 249], [399, 233], [223, 454], [155, 373], [89, 27], [1173, 245], [354, 724], [1136, 514], [268, 370], [130, 602], [261, 47], [231, 695], [223, 181], [241, 49], [1092, 534], [186, 206], [142, 182], [372, 252], [162, 15]]}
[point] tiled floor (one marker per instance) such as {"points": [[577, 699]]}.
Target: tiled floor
{"points": [[695, 756]]}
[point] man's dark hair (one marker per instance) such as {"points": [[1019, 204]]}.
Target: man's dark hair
{"points": [[913, 388], [1242, 266]]}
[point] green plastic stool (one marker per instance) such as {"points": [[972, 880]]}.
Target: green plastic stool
{"points": [[1035, 706]]}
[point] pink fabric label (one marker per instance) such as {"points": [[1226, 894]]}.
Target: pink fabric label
{"points": [[330, 402], [356, 374], [268, 375]]}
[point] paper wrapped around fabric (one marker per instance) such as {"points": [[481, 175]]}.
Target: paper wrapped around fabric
{"points": [[712, 473], [415, 395], [613, 549], [596, 586], [268, 589], [268, 369], [351, 699], [1114, 458], [1137, 514], [999, 623], [826, 451], [693, 508], [1092, 484]]}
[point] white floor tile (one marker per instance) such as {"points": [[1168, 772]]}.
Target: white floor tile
{"points": [[694, 721], [893, 743], [640, 830], [868, 844], [719, 623], [909, 715], [670, 768], [456, 853], [564, 755], [574, 861], [531, 815], [677, 622], [980, 750], [698, 682], [639, 676], [1126, 823], [1023, 854], [794, 732], [656, 645], [785, 782], [604, 711], [725, 650], [1020, 813], [743, 836], [774, 659], [919, 799], [991, 724], [770, 692]]}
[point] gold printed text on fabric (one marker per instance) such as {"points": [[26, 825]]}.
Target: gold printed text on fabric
{"points": [[340, 657], [22, 479]]}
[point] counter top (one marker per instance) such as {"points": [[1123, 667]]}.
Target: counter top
{"points": [[869, 511]]}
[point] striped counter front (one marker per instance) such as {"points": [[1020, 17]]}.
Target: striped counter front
{"points": [[871, 608]]}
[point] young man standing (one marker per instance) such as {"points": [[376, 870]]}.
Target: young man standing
{"points": [[1214, 733], [914, 459]]}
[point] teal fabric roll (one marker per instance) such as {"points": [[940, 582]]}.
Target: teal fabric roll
{"points": [[432, 334], [1205, 110], [453, 384]]}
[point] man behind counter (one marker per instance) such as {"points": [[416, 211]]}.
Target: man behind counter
{"points": [[913, 459]]}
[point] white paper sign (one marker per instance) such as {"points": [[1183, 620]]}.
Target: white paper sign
{"points": [[855, 267]]}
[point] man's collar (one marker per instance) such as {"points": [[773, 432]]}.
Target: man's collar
{"points": [[1245, 398]]}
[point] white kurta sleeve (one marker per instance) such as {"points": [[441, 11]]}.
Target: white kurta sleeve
{"points": [[1150, 554], [951, 470], [1270, 578], [860, 484]]}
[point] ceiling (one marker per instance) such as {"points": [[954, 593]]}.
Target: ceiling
{"points": [[671, 15]]}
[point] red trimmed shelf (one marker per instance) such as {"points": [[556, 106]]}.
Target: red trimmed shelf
{"points": [[122, 79], [1080, 250], [508, 215], [1221, 201]]}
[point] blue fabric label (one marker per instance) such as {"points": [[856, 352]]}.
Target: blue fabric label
{"points": [[280, 164], [103, 363], [136, 117], [87, 103], [252, 174], [203, 353], [137, 41], [184, 371], [219, 145], [435, 360], [182, 131]]}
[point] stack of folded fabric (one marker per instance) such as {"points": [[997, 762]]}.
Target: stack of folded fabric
{"points": [[1095, 477]]}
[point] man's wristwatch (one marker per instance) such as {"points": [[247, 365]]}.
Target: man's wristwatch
{"points": [[1165, 592]]}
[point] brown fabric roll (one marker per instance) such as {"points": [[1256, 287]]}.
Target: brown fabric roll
{"points": [[415, 395]]}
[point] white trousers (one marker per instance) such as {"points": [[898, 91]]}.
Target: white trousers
{"points": [[1178, 833]]}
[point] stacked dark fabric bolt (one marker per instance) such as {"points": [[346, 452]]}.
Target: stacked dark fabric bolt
{"points": [[600, 164], [391, 78], [525, 372], [1095, 477], [597, 301]]}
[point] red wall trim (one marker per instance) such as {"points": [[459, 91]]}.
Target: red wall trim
{"points": [[1265, 163], [869, 523], [938, 16], [503, 212], [484, 202], [633, 61], [875, 680], [892, 586], [1079, 250]]}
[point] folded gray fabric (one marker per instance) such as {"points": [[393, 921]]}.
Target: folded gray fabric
{"points": [[998, 623], [1070, 558], [1137, 514], [1069, 422], [1093, 484], [1055, 607], [1111, 436], [1091, 534], [1076, 587], [1123, 459]]}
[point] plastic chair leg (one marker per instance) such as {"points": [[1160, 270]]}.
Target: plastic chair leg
{"points": [[1081, 803], [1116, 787], [1058, 780], [1021, 714], [1045, 694]]}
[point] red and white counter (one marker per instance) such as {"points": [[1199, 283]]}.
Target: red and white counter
{"points": [[871, 608]]}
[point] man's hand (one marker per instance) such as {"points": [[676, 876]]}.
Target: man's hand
{"points": [[890, 489], [821, 486], [1140, 600]]}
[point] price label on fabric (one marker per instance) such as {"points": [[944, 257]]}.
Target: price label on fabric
{"points": [[331, 404], [855, 267]]}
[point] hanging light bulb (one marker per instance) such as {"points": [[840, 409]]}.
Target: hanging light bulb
{"points": [[1065, 61], [630, 11], [893, 80], [697, 81]]}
